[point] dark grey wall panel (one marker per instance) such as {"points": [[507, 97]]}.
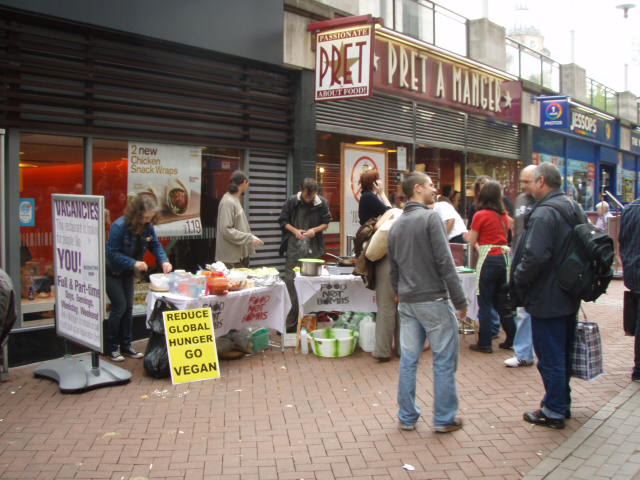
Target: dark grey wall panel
{"points": [[246, 28]]}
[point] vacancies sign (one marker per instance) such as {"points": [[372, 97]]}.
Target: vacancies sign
{"points": [[343, 63]]}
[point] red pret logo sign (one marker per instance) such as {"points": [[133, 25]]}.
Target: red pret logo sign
{"points": [[343, 63]]}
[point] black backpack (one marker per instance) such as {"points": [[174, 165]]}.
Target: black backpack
{"points": [[585, 266]]}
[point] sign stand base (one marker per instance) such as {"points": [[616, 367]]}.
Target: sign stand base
{"points": [[76, 374]]}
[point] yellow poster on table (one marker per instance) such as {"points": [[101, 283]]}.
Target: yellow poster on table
{"points": [[192, 345]]}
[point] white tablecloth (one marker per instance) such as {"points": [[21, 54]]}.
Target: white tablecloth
{"points": [[263, 307], [347, 293]]}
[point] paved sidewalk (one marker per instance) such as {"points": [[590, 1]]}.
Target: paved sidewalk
{"points": [[279, 415], [607, 446]]}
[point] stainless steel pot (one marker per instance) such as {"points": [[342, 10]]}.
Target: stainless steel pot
{"points": [[311, 267]]}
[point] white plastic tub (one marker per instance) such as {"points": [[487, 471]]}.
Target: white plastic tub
{"points": [[333, 342]]}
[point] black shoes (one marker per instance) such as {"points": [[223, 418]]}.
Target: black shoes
{"points": [[506, 346], [567, 414], [478, 348], [539, 418]]}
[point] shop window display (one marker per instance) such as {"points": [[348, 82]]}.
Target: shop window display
{"points": [[505, 171], [327, 172], [628, 185], [48, 164], [110, 180], [580, 182]]}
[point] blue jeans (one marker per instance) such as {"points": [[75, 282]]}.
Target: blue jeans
{"points": [[120, 292], [522, 343], [635, 375], [492, 276], [435, 321], [553, 340]]}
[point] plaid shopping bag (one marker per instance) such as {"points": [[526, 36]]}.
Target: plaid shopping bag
{"points": [[586, 356]]}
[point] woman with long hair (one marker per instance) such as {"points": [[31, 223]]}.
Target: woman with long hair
{"points": [[129, 238], [490, 235]]}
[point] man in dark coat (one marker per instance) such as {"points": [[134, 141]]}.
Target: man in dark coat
{"points": [[629, 238], [553, 311], [304, 217]]}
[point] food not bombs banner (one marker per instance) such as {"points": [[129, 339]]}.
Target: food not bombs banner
{"points": [[172, 175]]}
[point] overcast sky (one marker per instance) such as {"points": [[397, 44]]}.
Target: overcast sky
{"points": [[600, 45]]}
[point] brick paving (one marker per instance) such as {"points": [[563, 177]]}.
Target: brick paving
{"points": [[279, 415], [606, 446]]}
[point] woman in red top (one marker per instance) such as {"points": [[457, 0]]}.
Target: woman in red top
{"points": [[490, 235]]}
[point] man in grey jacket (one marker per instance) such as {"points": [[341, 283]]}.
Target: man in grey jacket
{"points": [[424, 278], [553, 311], [234, 240]]}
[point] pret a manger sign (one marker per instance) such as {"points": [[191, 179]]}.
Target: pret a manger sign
{"points": [[409, 70], [343, 63]]}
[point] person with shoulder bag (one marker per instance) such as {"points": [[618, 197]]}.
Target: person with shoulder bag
{"points": [[553, 310], [375, 205]]}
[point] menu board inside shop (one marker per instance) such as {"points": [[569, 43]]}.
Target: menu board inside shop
{"points": [[171, 174], [354, 160]]}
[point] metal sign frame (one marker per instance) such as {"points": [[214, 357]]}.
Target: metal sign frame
{"points": [[92, 199]]}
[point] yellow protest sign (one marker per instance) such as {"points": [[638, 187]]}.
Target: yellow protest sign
{"points": [[192, 345]]}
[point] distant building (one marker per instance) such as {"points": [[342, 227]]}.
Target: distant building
{"points": [[525, 32]]}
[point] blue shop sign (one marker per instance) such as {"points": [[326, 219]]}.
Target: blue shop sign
{"points": [[560, 114], [635, 141], [554, 113], [584, 124]]}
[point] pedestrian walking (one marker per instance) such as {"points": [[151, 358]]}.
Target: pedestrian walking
{"points": [[303, 218], [129, 238], [373, 204], [553, 311], [234, 241], [629, 238], [425, 280], [522, 343], [490, 234]]}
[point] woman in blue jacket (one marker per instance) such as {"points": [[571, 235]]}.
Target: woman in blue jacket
{"points": [[129, 238]]}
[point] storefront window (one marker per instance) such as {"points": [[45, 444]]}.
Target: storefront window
{"points": [[505, 171], [628, 185], [328, 176], [48, 164], [581, 182], [110, 169]]}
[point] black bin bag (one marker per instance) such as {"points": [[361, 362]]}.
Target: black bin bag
{"points": [[156, 357]]}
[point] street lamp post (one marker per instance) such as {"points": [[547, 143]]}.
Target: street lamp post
{"points": [[625, 7]]}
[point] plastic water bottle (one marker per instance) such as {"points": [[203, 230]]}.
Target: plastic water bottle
{"points": [[304, 341], [367, 340]]}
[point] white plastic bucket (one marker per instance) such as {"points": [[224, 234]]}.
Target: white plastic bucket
{"points": [[367, 340]]}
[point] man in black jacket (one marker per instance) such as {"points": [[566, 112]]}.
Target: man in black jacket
{"points": [[553, 311], [629, 238], [304, 217]]}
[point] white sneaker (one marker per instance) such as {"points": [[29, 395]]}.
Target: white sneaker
{"points": [[513, 362], [116, 356]]}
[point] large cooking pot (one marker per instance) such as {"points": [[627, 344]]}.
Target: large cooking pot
{"points": [[311, 267], [343, 261]]}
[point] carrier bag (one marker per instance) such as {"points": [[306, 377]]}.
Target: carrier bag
{"points": [[586, 356], [156, 357]]}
